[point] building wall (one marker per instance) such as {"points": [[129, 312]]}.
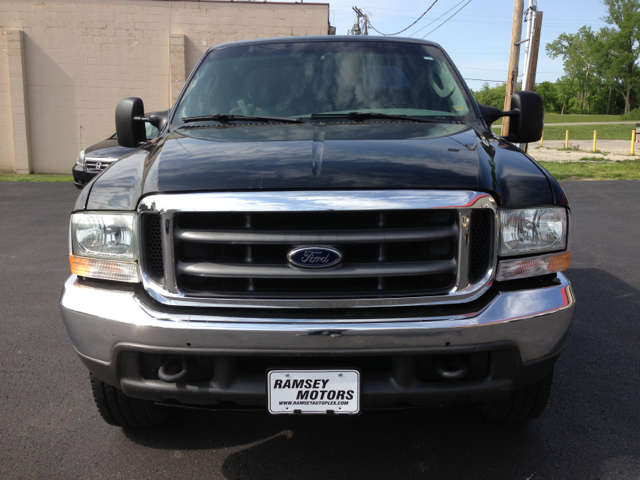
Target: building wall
{"points": [[81, 57]]}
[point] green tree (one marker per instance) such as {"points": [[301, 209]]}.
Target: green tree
{"points": [[491, 96], [566, 90], [582, 55], [621, 46], [549, 93], [598, 64]]}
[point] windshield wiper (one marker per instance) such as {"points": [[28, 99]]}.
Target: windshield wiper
{"points": [[230, 117], [359, 116]]}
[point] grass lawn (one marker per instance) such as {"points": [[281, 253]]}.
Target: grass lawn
{"points": [[598, 170], [35, 177], [585, 132], [550, 118], [555, 118]]}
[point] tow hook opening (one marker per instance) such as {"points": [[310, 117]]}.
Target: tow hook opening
{"points": [[173, 370], [451, 367]]}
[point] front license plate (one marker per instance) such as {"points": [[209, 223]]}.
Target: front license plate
{"points": [[314, 391]]}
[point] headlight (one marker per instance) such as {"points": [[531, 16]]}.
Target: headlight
{"points": [[80, 159], [104, 235], [532, 230], [103, 245]]}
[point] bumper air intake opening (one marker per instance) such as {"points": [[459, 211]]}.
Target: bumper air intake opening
{"points": [[173, 370], [473, 366], [451, 367]]}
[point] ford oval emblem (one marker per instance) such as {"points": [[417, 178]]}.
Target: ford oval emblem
{"points": [[314, 257]]}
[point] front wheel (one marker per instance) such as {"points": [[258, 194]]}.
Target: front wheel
{"points": [[121, 411], [522, 405]]}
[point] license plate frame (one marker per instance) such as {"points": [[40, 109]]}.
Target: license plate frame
{"points": [[300, 398]]}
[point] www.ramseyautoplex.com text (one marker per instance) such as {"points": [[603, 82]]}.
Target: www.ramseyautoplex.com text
{"points": [[314, 402]]}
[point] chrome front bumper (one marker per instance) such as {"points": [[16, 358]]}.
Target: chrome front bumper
{"points": [[102, 323]]}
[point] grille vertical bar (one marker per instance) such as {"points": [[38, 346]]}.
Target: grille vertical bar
{"points": [[152, 246], [480, 243]]}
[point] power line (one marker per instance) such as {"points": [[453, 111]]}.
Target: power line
{"points": [[485, 69], [612, 85], [436, 18], [478, 53], [552, 25], [500, 70], [419, 18], [485, 80], [447, 19], [583, 21]]}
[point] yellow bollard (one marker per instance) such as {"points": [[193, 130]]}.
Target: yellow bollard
{"points": [[595, 135], [566, 141], [542, 138], [633, 142]]}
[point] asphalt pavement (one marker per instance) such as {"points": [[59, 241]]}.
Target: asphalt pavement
{"points": [[50, 428]]}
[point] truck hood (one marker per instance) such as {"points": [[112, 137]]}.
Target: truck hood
{"points": [[337, 156]]}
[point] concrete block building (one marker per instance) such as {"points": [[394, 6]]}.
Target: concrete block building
{"points": [[65, 64]]}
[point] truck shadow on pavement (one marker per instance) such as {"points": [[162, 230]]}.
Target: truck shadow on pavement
{"points": [[589, 429]]}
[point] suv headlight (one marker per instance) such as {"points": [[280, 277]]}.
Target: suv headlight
{"points": [[532, 231], [103, 245], [80, 159]]}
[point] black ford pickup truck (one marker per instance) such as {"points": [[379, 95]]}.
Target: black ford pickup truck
{"points": [[323, 225]]}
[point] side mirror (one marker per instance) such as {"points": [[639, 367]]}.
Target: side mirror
{"points": [[129, 127], [528, 126], [527, 117]]}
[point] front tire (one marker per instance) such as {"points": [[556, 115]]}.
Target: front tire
{"points": [[522, 405], [121, 411]]}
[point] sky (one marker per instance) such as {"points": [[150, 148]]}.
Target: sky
{"points": [[478, 37]]}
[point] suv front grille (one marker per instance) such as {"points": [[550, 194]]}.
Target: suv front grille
{"points": [[385, 253]]}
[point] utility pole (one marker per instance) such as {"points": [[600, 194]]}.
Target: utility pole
{"points": [[514, 58], [529, 18], [531, 52], [362, 23], [529, 80]]}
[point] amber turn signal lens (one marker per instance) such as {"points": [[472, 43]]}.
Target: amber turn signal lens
{"points": [[105, 269], [533, 266], [79, 266], [559, 263]]}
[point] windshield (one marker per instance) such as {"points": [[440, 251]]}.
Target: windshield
{"points": [[301, 79]]}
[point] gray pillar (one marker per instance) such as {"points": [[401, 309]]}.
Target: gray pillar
{"points": [[177, 65], [18, 99]]}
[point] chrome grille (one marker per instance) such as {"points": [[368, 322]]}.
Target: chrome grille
{"points": [[94, 165], [411, 252], [399, 248]]}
